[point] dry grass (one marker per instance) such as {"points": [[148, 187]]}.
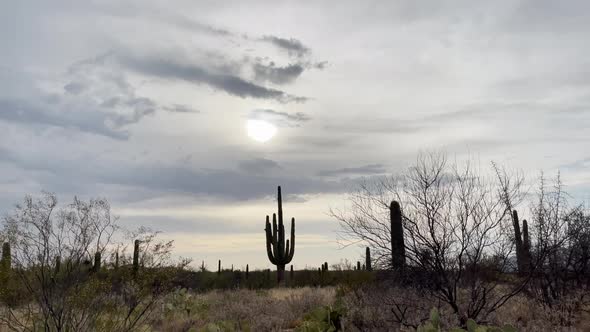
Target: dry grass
{"points": [[242, 310]]}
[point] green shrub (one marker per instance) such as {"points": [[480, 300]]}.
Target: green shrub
{"points": [[434, 325], [325, 319]]}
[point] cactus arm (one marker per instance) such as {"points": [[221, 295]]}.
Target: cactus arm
{"points": [[275, 231], [280, 203], [269, 242], [287, 252], [292, 250], [281, 242]]}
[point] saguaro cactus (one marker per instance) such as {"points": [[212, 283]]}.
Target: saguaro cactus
{"points": [[5, 264], [57, 264], [398, 249], [247, 271], [291, 274], [219, 267], [97, 259], [279, 253], [368, 259], [358, 265], [6, 261], [522, 243], [526, 244], [136, 256]]}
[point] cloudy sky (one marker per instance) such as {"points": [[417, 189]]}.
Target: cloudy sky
{"points": [[146, 103]]}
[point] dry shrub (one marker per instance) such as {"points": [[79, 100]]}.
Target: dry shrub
{"points": [[370, 309], [261, 310]]}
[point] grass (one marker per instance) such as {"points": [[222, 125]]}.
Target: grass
{"points": [[276, 309]]}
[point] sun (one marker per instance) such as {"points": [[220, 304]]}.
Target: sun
{"points": [[260, 130]]}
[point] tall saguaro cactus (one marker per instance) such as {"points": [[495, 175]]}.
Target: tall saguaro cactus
{"points": [[279, 252], [522, 243], [398, 249], [136, 256]]}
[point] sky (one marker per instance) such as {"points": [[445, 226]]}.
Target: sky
{"points": [[146, 103]]}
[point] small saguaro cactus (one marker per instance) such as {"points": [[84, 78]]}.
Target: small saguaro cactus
{"points": [[97, 258], [368, 259], [5, 263], [219, 267], [6, 256], [358, 265], [291, 274], [398, 249], [247, 271], [325, 266], [136, 256], [57, 264], [526, 243], [522, 243], [232, 268], [279, 252]]}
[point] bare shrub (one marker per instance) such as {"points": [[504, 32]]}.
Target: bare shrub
{"points": [[59, 280], [457, 230]]}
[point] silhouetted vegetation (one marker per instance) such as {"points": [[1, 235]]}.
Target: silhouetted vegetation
{"points": [[445, 248], [279, 253]]}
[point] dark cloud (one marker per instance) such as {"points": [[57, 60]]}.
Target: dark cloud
{"points": [[228, 83], [361, 170], [277, 75], [279, 118], [98, 100], [258, 166], [74, 87], [181, 109], [293, 46], [27, 113], [320, 65], [156, 178]]}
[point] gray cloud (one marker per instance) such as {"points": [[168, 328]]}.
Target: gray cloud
{"points": [[293, 46], [98, 99], [258, 166], [361, 170], [277, 75], [74, 88], [279, 118], [27, 113], [181, 109], [228, 83], [151, 179]]}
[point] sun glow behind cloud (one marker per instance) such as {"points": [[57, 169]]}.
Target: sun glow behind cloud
{"points": [[260, 130]]}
